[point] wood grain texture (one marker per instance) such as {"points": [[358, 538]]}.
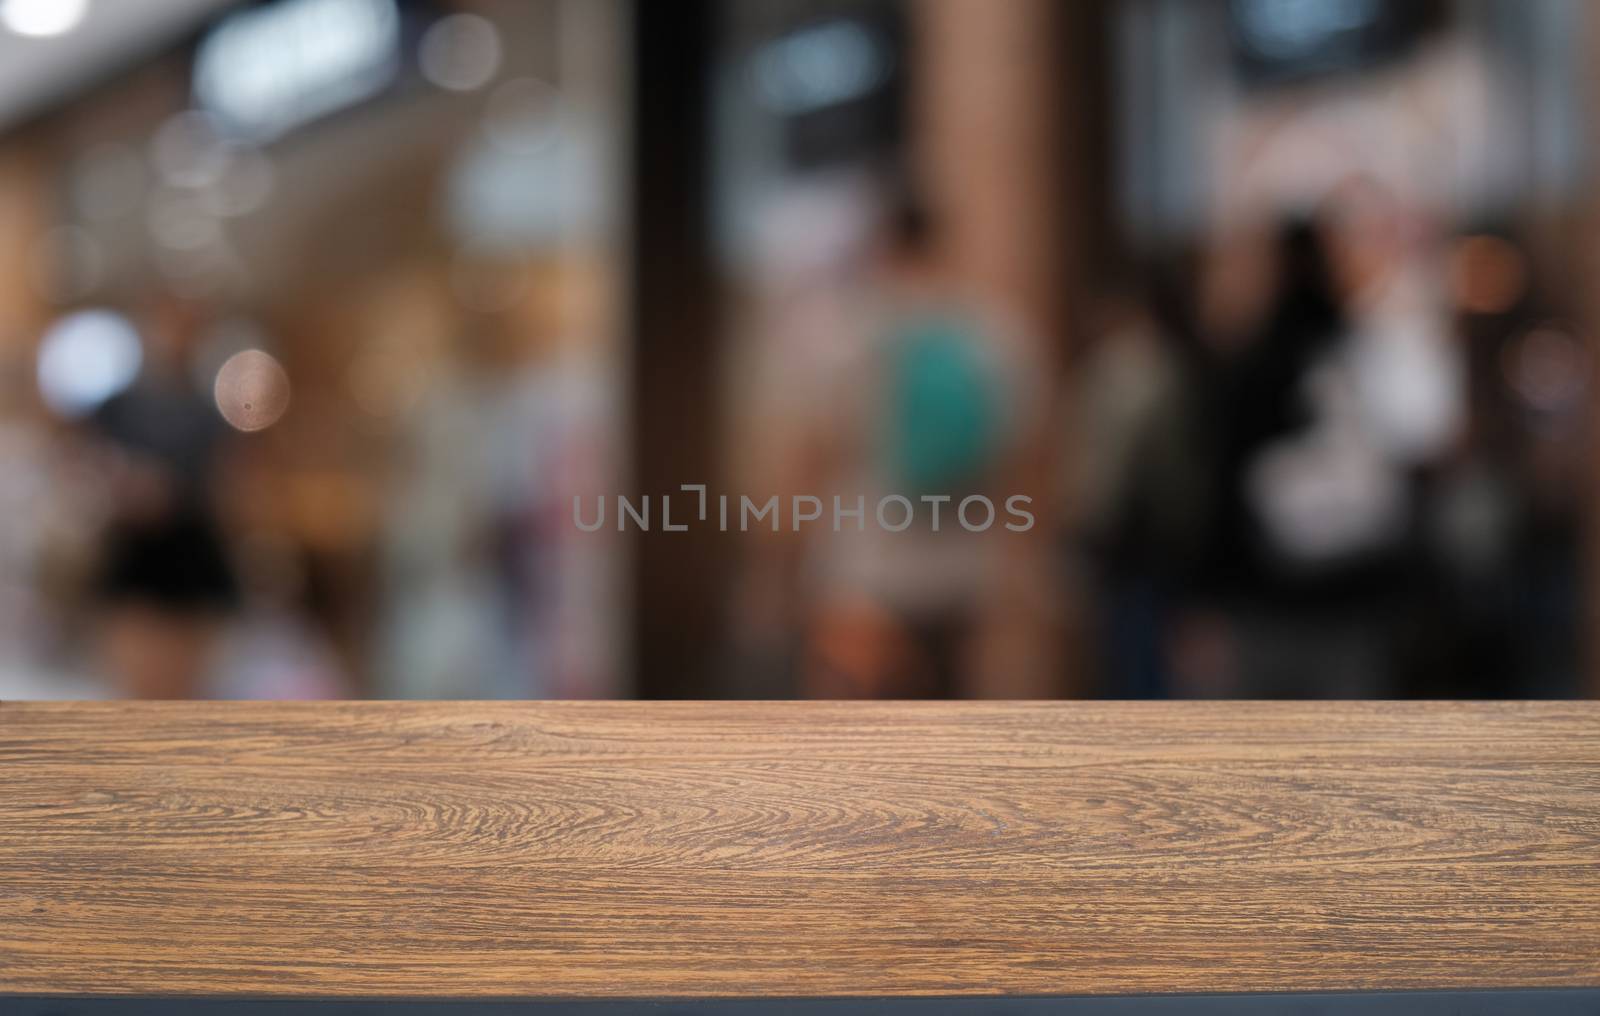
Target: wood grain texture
{"points": [[716, 849]]}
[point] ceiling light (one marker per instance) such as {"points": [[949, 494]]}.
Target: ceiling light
{"points": [[42, 19]]}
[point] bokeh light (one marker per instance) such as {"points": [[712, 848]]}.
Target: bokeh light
{"points": [[187, 152], [86, 358], [252, 390], [460, 53], [1548, 368]]}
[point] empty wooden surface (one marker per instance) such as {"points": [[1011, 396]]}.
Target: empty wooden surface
{"points": [[679, 849]]}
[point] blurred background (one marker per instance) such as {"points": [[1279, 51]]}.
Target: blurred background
{"points": [[316, 316]]}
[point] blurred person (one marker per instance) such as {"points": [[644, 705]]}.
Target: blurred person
{"points": [[444, 632], [166, 585], [488, 589], [1310, 519], [931, 404], [1406, 368], [1504, 519], [1138, 482]]}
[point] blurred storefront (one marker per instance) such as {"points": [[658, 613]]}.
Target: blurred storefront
{"points": [[319, 314], [358, 264]]}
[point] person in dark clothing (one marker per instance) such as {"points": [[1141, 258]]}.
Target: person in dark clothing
{"points": [[165, 584], [1258, 397], [1302, 585]]}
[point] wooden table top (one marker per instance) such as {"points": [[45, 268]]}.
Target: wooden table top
{"points": [[740, 849]]}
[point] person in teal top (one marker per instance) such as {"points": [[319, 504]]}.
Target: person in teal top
{"points": [[942, 425]]}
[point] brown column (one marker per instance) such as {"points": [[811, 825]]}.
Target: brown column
{"points": [[986, 112], [990, 117], [23, 221]]}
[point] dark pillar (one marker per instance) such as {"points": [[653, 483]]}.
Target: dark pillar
{"points": [[676, 576]]}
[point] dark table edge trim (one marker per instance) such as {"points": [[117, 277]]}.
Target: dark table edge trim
{"points": [[1547, 1001]]}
